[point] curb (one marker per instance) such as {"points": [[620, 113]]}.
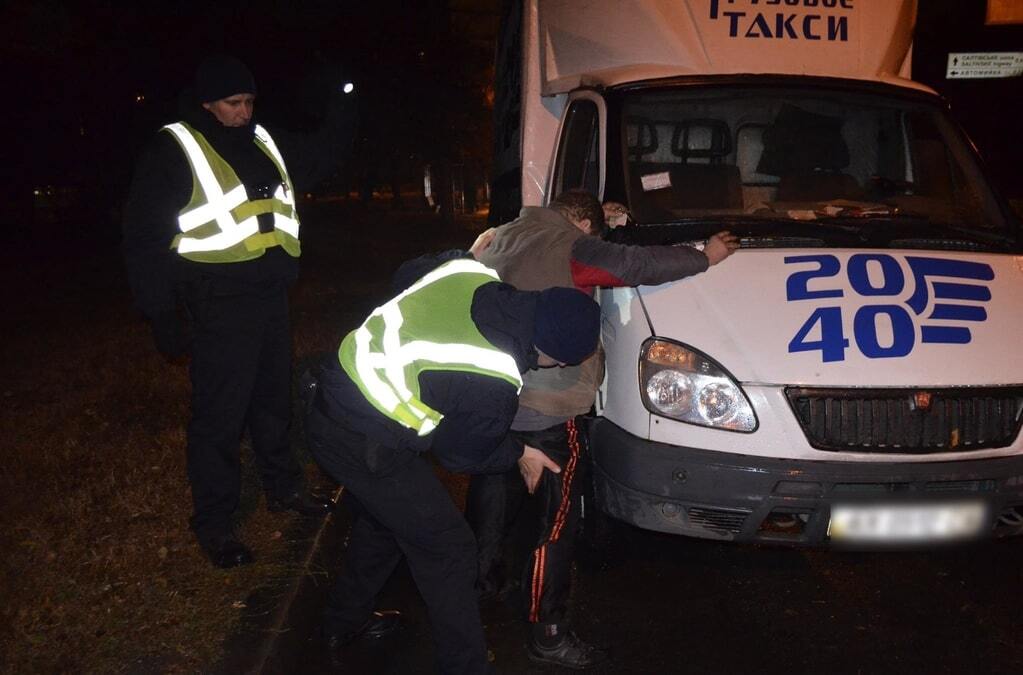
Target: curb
{"points": [[284, 617]]}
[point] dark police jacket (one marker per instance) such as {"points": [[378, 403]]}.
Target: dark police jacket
{"points": [[162, 186], [478, 409]]}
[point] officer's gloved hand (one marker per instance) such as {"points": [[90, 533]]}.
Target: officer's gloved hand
{"points": [[170, 337]]}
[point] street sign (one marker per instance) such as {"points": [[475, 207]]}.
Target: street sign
{"points": [[976, 65]]}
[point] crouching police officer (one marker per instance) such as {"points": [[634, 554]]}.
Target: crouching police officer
{"points": [[437, 368], [211, 220]]}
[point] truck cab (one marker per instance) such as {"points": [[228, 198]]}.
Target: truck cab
{"points": [[850, 375]]}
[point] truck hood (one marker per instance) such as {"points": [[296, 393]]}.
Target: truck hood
{"points": [[851, 318]]}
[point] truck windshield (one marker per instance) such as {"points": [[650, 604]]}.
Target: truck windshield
{"points": [[834, 161]]}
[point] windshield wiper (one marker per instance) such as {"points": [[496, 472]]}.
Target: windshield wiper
{"points": [[771, 241], [753, 231], [906, 229], [942, 244], [761, 231]]}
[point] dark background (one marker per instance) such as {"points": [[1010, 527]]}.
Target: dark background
{"points": [[86, 84]]}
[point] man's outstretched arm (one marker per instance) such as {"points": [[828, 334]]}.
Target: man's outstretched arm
{"points": [[596, 262]]}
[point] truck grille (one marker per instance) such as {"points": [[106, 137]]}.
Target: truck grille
{"points": [[717, 519], [909, 421]]}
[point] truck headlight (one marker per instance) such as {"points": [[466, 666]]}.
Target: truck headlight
{"points": [[686, 385]]}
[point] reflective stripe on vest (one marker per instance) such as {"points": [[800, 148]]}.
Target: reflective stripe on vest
{"points": [[427, 327], [220, 223]]}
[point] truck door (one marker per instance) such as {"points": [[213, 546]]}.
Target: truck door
{"points": [[582, 138]]}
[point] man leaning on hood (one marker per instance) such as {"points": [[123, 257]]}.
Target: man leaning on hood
{"points": [[560, 246]]}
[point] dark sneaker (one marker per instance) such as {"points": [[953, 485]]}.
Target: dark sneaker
{"points": [[569, 652]]}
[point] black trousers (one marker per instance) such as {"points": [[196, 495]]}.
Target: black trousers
{"points": [[241, 378], [403, 509], [544, 555]]}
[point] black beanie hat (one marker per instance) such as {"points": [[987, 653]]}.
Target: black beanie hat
{"points": [[221, 76], [567, 324]]}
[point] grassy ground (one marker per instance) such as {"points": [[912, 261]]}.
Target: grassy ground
{"points": [[100, 572]]}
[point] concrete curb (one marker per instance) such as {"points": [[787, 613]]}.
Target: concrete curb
{"points": [[283, 618]]}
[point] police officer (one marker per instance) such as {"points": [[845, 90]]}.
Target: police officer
{"points": [[437, 368], [211, 220]]}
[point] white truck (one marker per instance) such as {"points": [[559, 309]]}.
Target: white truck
{"points": [[852, 374]]}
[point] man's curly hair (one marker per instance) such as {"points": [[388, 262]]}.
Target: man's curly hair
{"points": [[578, 204]]}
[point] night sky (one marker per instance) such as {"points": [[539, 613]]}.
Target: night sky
{"points": [[88, 83]]}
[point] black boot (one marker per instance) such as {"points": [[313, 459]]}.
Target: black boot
{"points": [[225, 551], [379, 624], [550, 643], [303, 502]]}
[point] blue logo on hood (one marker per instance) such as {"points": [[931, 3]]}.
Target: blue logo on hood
{"points": [[956, 287]]}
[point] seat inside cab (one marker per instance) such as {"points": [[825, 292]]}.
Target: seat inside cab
{"points": [[683, 167], [808, 154]]}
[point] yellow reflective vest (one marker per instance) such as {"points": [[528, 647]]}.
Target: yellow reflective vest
{"points": [[219, 223], [427, 327]]}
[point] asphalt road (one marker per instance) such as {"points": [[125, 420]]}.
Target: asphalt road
{"points": [[666, 604]]}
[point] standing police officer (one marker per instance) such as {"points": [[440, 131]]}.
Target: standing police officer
{"points": [[211, 220]]}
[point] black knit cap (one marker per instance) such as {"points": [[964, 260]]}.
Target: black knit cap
{"points": [[221, 76], [567, 324]]}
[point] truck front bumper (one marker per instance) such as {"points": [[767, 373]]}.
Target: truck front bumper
{"points": [[717, 495]]}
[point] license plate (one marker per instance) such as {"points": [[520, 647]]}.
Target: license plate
{"points": [[906, 523]]}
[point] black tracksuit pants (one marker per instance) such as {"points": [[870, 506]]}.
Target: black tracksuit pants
{"points": [[241, 378], [403, 509], [545, 553]]}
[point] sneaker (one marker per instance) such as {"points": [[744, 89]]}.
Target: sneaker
{"points": [[569, 652]]}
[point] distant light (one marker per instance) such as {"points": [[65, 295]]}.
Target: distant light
{"points": [[140, 98], [348, 88]]}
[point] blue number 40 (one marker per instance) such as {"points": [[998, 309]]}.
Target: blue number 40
{"points": [[832, 343]]}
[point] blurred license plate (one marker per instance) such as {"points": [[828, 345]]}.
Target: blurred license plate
{"points": [[895, 523]]}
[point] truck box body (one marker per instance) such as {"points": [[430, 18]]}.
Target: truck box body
{"points": [[850, 375]]}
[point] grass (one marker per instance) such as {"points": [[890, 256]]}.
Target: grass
{"points": [[100, 572]]}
